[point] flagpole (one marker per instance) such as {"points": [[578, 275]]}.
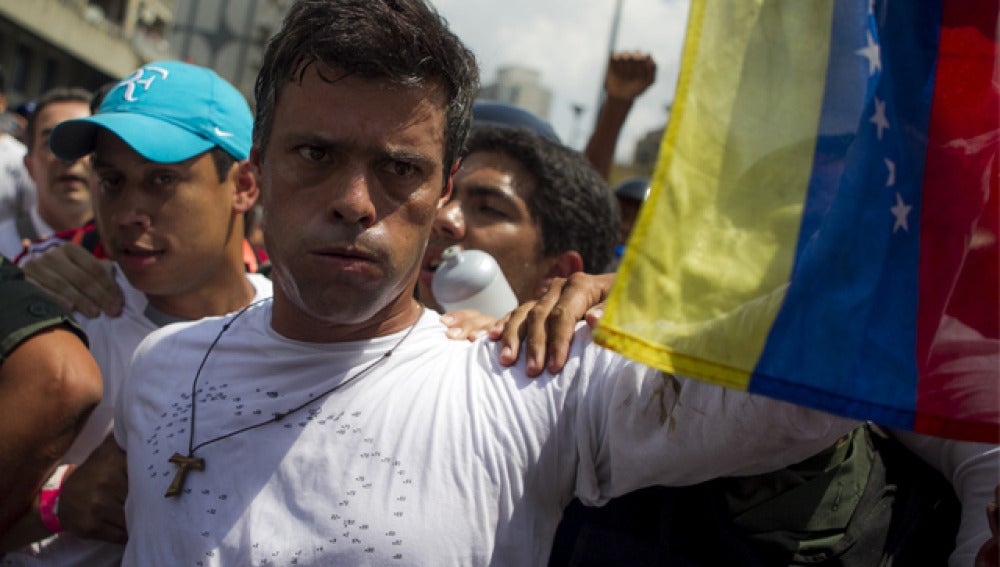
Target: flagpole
{"points": [[612, 43]]}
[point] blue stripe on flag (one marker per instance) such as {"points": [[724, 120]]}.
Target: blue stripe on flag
{"points": [[845, 337]]}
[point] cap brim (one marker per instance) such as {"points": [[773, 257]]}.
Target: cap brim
{"points": [[152, 138], [637, 195]]}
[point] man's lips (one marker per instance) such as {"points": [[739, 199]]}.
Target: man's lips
{"points": [[138, 258], [72, 182], [430, 263], [432, 258], [141, 252], [347, 259], [348, 253]]}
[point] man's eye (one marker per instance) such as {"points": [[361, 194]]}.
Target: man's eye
{"points": [[402, 168], [312, 153], [164, 179], [106, 184], [491, 211]]}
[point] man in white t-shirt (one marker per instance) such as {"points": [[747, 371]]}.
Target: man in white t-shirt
{"points": [[169, 146], [62, 186], [338, 424]]}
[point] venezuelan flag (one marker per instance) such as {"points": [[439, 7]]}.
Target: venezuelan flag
{"points": [[823, 223]]}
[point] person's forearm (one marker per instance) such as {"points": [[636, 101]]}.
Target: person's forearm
{"points": [[601, 146], [48, 386]]}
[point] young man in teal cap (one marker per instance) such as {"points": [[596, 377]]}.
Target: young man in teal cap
{"points": [[169, 146]]}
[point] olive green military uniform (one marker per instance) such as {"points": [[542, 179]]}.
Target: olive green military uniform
{"points": [[26, 310]]}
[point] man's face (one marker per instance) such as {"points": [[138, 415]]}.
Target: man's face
{"points": [[166, 224], [63, 186], [488, 211], [352, 178]]}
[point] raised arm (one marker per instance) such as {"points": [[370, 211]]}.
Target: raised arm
{"points": [[629, 74]]}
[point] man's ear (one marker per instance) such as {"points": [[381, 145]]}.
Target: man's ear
{"points": [[565, 265], [247, 190], [449, 185]]}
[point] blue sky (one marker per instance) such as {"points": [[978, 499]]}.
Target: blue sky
{"points": [[567, 41]]}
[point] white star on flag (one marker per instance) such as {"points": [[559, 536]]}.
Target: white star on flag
{"points": [[879, 119], [891, 166], [900, 211], [873, 53]]}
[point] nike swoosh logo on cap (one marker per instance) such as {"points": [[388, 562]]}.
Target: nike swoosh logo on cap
{"points": [[222, 133]]}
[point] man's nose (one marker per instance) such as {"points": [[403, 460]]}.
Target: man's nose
{"points": [[353, 203], [450, 222], [130, 210]]}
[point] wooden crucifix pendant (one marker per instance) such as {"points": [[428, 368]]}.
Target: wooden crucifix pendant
{"points": [[183, 463]]}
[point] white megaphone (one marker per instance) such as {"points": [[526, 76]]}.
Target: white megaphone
{"points": [[472, 279]]}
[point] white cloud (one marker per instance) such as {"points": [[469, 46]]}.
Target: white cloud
{"points": [[567, 42]]}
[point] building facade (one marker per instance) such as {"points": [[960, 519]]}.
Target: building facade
{"points": [[228, 36], [85, 43], [521, 87]]}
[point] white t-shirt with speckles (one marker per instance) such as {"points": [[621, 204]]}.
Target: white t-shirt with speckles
{"points": [[439, 456]]}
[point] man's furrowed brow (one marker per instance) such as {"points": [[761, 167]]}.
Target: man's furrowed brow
{"points": [[412, 156]]}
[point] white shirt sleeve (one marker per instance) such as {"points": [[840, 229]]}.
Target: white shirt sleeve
{"points": [[643, 427]]}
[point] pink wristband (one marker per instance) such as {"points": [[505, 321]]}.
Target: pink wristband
{"points": [[48, 499]]}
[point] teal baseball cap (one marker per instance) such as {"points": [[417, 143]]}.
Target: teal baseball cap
{"points": [[167, 111]]}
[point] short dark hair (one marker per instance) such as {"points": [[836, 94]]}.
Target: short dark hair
{"points": [[571, 202], [223, 161], [403, 41], [52, 96]]}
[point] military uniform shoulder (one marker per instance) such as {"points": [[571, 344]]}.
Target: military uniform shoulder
{"points": [[26, 310]]}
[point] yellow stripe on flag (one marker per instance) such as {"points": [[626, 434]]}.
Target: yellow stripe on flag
{"points": [[705, 272]]}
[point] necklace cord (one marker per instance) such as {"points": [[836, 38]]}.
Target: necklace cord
{"points": [[278, 416], [194, 383]]}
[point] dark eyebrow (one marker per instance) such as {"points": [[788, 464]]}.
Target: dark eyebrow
{"points": [[411, 156], [489, 191]]}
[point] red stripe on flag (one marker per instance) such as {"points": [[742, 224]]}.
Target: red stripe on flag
{"points": [[958, 355]]}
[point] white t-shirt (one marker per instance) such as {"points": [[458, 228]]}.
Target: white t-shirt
{"points": [[113, 340], [439, 456], [17, 190], [11, 238]]}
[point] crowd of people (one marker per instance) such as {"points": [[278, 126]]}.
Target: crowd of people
{"points": [[244, 362]]}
